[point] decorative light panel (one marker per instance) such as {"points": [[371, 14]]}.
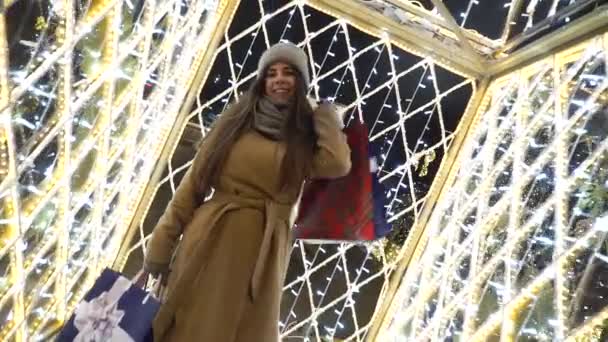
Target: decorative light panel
{"points": [[88, 92], [516, 247], [412, 106], [489, 35]]}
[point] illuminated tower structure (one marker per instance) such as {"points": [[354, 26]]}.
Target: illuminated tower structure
{"points": [[491, 119]]}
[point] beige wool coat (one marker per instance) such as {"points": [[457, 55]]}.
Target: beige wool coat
{"points": [[226, 280]]}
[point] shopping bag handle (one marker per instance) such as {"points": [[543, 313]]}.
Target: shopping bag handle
{"points": [[141, 279], [159, 287]]}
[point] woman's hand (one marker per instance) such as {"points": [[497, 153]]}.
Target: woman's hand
{"points": [[330, 110], [325, 107]]}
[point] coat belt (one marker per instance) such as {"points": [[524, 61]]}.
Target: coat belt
{"points": [[274, 213]]}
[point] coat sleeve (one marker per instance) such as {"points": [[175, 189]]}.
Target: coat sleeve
{"points": [[169, 228], [332, 157]]}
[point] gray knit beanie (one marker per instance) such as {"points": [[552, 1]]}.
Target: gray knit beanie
{"points": [[288, 53]]}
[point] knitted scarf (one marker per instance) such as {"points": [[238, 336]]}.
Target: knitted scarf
{"points": [[270, 120]]}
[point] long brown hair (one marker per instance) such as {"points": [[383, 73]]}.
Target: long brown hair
{"points": [[300, 137]]}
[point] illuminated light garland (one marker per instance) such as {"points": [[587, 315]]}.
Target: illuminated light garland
{"points": [[561, 268], [100, 136], [366, 93], [132, 205], [74, 157]]}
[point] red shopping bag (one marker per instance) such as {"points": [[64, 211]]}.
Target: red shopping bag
{"points": [[343, 210]]}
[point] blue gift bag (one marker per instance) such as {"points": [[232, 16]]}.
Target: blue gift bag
{"points": [[113, 310]]}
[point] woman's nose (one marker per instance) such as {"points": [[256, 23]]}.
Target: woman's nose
{"points": [[279, 80]]}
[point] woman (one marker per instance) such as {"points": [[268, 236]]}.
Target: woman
{"points": [[226, 280]]}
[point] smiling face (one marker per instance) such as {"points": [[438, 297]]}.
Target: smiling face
{"points": [[280, 83]]}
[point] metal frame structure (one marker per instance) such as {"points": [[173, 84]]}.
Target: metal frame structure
{"points": [[58, 284], [558, 73], [416, 242], [383, 42], [224, 16], [58, 234], [470, 58]]}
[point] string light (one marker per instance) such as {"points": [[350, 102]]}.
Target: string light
{"points": [[46, 173], [54, 170], [529, 250], [312, 264]]}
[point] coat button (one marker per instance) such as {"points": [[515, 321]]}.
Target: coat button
{"points": [[237, 192]]}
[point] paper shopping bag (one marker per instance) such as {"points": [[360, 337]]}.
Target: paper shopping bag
{"points": [[347, 209], [113, 310]]}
